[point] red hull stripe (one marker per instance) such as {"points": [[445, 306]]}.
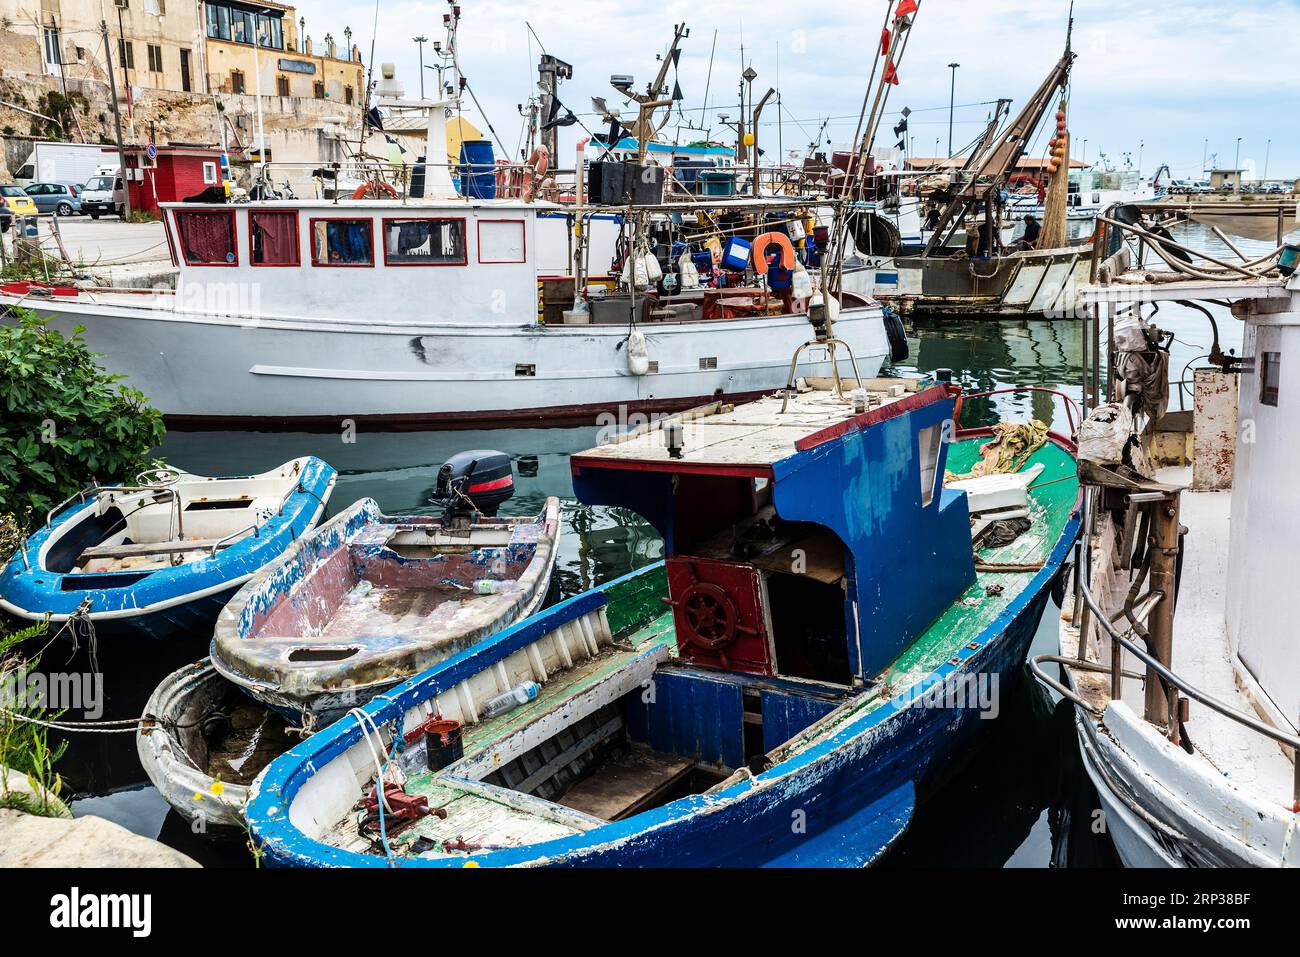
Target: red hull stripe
{"points": [[493, 485]]}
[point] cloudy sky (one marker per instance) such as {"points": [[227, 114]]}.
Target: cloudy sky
{"points": [[1169, 75]]}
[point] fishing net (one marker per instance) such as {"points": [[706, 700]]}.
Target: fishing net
{"points": [[1009, 449]]}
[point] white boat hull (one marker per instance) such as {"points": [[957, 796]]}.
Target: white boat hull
{"points": [[209, 369]]}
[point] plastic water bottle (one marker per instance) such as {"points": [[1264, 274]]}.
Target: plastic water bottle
{"points": [[520, 694]]}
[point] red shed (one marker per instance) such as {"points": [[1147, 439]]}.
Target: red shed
{"points": [[175, 173]]}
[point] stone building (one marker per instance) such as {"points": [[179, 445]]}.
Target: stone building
{"points": [[185, 72]]}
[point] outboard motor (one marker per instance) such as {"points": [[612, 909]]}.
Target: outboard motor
{"points": [[477, 481]]}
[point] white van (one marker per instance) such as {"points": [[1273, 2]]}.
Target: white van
{"points": [[104, 193]]}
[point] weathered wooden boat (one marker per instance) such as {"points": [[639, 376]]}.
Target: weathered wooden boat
{"points": [[1179, 652], [368, 599], [162, 555], [805, 666], [202, 744]]}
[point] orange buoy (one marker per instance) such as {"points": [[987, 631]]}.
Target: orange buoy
{"points": [[759, 251]]}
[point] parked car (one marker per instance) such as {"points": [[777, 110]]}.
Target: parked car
{"points": [[103, 195], [62, 199], [16, 203]]}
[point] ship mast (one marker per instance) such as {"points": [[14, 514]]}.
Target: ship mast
{"points": [[983, 182]]}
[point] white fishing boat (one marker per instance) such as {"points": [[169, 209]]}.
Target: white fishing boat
{"points": [[1179, 652], [434, 301]]}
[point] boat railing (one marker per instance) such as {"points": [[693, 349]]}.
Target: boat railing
{"points": [[1071, 405], [255, 528], [83, 494], [1184, 686]]}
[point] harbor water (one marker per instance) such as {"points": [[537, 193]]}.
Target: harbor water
{"points": [[1033, 804]]}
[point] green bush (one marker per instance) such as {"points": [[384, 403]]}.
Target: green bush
{"points": [[64, 420]]}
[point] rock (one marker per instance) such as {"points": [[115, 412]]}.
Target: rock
{"points": [[16, 782], [30, 841]]}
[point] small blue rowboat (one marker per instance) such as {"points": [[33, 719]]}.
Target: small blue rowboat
{"points": [[822, 646], [162, 556]]}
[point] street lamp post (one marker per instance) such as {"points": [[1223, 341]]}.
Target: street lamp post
{"points": [[1236, 163], [1085, 150], [1141, 146], [420, 41], [952, 100], [257, 94], [1267, 149]]}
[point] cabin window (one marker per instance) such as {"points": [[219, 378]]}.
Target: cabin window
{"points": [[501, 241], [207, 238], [209, 174], [273, 239], [929, 445], [424, 242], [342, 242], [1270, 378]]}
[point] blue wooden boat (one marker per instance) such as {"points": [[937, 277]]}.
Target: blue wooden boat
{"points": [[161, 556], [829, 632]]}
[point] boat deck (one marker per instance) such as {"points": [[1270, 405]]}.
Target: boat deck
{"points": [[1202, 654], [399, 613], [476, 813], [755, 434]]}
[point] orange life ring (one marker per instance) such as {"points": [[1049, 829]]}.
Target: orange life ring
{"points": [[374, 189], [759, 251], [539, 161]]}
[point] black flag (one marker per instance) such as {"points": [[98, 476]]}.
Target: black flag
{"points": [[552, 121], [375, 118], [901, 128]]}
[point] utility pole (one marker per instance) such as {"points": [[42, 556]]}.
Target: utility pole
{"points": [[117, 119], [952, 100], [420, 41]]}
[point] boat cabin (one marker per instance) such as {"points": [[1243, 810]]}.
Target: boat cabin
{"points": [[778, 528], [328, 259]]}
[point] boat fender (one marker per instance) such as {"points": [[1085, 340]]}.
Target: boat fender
{"points": [[759, 251], [801, 283], [638, 357], [687, 273], [897, 335]]}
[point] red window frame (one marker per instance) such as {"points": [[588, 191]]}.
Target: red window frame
{"points": [[297, 242], [478, 239], [435, 219], [311, 234], [234, 234]]}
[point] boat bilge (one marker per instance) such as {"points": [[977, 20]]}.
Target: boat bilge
{"points": [[202, 744], [368, 599], [803, 668], [161, 555]]}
